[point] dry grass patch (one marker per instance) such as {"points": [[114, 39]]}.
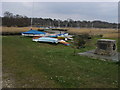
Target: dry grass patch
{"points": [[92, 30], [17, 29], [111, 35], [108, 33]]}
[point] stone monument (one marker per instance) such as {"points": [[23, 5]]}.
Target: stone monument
{"points": [[106, 47]]}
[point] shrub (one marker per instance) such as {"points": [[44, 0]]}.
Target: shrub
{"points": [[80, 40]]}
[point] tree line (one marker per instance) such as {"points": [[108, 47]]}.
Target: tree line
{"points": [[9, 20]]}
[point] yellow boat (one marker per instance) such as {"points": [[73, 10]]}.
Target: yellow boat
{"points": [[59, 37]]}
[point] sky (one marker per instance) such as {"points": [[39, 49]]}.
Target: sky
{"points": [[104, 11]]}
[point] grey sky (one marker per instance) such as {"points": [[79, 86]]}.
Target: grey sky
{"points": [[105, 11]]}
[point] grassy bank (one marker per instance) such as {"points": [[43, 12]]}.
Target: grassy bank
{"points": [[41, 65]]}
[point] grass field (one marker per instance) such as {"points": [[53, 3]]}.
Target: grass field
{"points": [[40, 65]]}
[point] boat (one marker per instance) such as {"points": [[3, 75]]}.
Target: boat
{"points": [[33, 33], [64, 42], [46, 39]]}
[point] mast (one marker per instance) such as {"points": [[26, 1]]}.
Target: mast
{"points": [[32, 15], [31, 22]]}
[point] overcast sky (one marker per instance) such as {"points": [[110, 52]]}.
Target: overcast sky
{"points": [[105, 11]]}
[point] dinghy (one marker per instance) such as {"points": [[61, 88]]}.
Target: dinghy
{"points": [[46, 39], [64, 42]]}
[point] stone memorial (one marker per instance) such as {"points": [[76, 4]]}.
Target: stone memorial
{"points": [[106, 47]]}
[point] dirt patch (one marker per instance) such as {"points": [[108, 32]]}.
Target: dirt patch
{"points": [[8, 80]]}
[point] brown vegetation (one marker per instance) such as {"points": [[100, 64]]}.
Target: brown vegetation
{"points": [[16, 29], [107, 33]]}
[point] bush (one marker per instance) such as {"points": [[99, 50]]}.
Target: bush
{"points": [[80, 40]]}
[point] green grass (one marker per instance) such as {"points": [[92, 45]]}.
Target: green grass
{"points": [[42, 65]]}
